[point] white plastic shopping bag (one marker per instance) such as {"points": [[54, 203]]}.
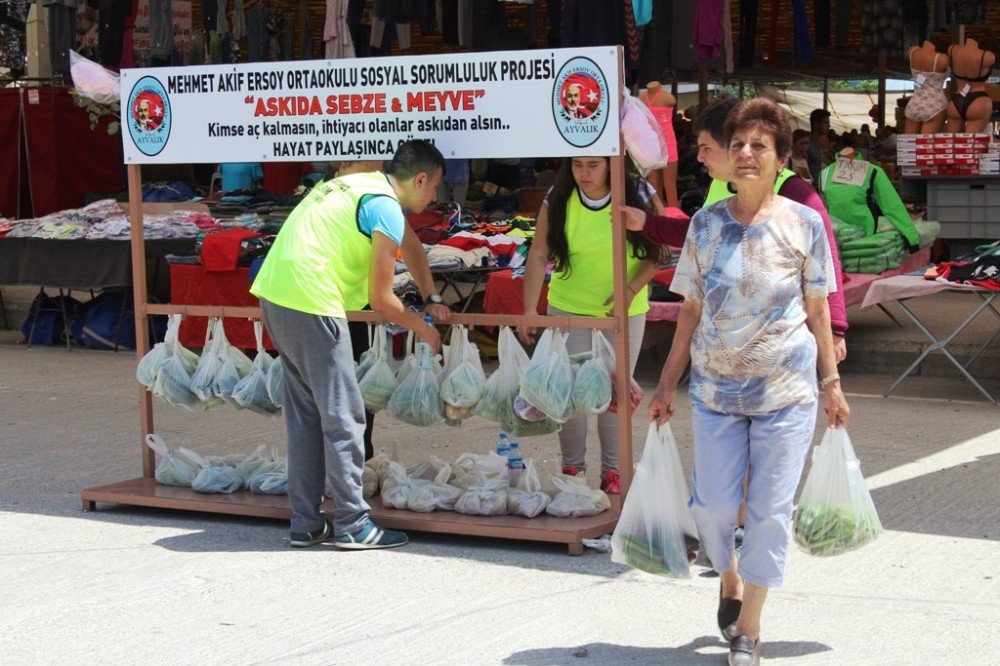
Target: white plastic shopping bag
{"points": [[379, 382], [547, 382], [655, 516], [464, 381], [251, 391], [836, 513]]}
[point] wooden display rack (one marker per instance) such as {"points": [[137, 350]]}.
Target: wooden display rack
{"points": [[145, 491]]}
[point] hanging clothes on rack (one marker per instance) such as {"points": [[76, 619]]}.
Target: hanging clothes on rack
{"points": [[239, 20], [821, 23], [210, 15], [336, 33], [128, 40], [708, 29], [276, 23], [643, 11], [222, 22], [111, 29], [915, 21], [257, 32], [881, 26], [598, 23], [800, 28], [61, 20], [12, 36], [449, 21], [306, 45], [968, 12], [161, 30], [749, 10], [842, 11]]}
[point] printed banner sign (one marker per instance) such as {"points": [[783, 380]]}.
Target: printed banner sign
{"points": [[553, 103]]}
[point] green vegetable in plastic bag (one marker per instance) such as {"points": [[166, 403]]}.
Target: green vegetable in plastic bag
{"points": [[176, 467], [379, 381], [547, 382], [251, 391], [417, 400], [235, 366], [592, 384], [464, 381], [173, 376], [835, 513]]}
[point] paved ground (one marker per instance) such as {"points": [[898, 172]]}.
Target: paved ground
{"points": [[128, 585]]}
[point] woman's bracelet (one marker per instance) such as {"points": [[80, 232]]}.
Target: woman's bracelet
{"points": [[826, 381]]}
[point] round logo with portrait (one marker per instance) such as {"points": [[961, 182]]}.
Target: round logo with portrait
{"points": [[149, 116], [580, 102]]}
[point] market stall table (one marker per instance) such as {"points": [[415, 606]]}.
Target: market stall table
{"points": [[902, 288]]}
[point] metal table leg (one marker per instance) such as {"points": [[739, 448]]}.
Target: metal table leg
{"points": [[941, 345], [889, 314]]}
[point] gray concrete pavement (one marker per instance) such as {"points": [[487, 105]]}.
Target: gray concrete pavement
{"points": [[129, 585]]}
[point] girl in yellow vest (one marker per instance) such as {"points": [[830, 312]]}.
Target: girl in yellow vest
{"points": [[573, 232]]}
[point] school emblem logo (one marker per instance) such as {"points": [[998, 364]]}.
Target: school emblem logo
{"points": [[149, 116], [580, 102]]}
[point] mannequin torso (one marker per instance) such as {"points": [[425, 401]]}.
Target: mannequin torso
{"points": [[971, 107], [926, 110], [662, 103]]}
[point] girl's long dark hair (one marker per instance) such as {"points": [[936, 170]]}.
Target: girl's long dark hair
{"points": [[562, 189]]}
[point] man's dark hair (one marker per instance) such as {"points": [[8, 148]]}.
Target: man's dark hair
{"points": [[817, 116], [713, 120], [413, 157]]}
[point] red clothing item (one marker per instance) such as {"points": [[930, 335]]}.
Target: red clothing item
{"points": [[220, 250], [284, 177], [672, 228]]}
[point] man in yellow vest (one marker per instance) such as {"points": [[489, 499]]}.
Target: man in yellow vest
{"points": [[337, 253]]}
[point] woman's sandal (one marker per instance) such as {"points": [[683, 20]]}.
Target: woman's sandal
{"points": [[729, 612], [744, 652]]}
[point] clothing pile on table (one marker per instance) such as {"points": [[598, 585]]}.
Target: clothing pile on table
{"points": [[456, 239], [881, 251], [105, 219], [979, 269], [6, 226], [267, 207]]}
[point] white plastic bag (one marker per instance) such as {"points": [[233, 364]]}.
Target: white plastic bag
{"points": [[251, 391], [836, 513], [173, 376], [527, 499], [276, 383], [593, 383], [176, 467], [501, 391], [417, 400], [464, 382], [655, 516], [396, 487], [576, 500], [273, 482], [208, 366], [469, 468], [642, 133], [379, 382], [547, 382], [487, 498], [93, 81], [235, 366], [367, 357], [437, 494], [149, 365]]}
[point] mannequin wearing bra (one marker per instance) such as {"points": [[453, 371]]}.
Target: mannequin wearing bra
{"points": [[662, 103], [971, 107], [927, 110]]}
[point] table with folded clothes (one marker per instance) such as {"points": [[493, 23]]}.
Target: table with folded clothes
{"points": [[87, 248]]}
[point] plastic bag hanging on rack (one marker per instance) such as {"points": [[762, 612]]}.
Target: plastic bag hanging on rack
{"points": [[367, 357], [173, 377], [547, 382], [417, 400], [235, 366], [836, 513], [176, 467], [93, 81], [276, 383], [655, 517], [502, 388], [208, 366], [593, 382], [379, 382], [251, 391], [463, 384]]}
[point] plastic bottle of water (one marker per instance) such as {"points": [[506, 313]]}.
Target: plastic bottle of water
{"points": [[503, 446], [425, 357], [515, 464]]}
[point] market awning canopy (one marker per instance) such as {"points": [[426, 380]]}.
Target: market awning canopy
{"points": [[848, 108]]}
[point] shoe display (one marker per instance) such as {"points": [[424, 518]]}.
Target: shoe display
{"points": [[611, 482], [371, 537], [306, 539]]}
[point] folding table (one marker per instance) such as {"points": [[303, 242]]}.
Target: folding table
{"points": [[905, 287]]}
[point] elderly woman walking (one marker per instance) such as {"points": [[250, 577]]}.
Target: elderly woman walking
{"points": [[755, 273]]}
